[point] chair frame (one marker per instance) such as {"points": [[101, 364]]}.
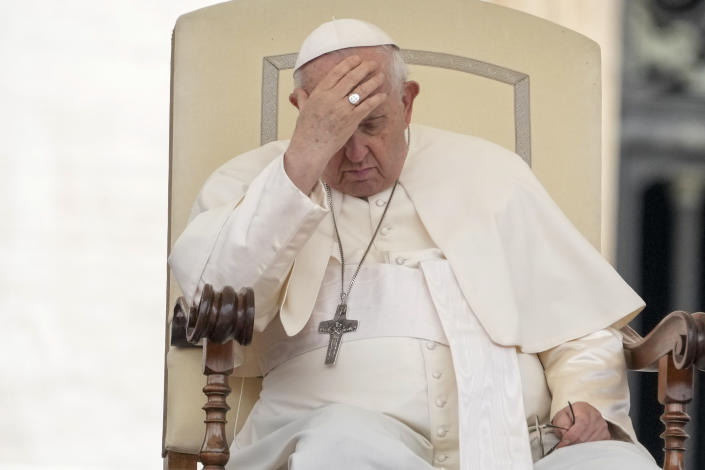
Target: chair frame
{"points": [[675, 348]]}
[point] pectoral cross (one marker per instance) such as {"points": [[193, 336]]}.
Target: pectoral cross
{"points": [[336, 327]]}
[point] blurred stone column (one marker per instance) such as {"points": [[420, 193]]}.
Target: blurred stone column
{"points": [[688, 192]]}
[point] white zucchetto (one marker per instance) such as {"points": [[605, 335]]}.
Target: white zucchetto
{"points": [[340, 34]]}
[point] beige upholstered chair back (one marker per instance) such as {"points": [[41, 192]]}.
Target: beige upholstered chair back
{"points": [[520, 81]]}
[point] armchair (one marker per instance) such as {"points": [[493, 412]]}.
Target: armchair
{"points": [[231, 63]]}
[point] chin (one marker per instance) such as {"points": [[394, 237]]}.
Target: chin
{"points": [[364, 188], [357, 192]]}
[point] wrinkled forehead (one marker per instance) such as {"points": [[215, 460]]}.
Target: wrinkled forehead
{"points": [[314, 71]]}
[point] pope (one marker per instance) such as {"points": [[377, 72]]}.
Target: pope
{"points": [[420, 301]]}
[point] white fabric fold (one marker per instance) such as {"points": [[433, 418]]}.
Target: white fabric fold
{"points": [[493, 431], [530, 277]]}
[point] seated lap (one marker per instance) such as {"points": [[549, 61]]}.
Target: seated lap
{"points": [[341, 437], [603, 455]]}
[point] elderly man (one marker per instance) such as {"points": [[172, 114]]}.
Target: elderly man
{"points": [[419, 297]]}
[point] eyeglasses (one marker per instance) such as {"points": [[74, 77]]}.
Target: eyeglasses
{"points": [[542, 429]]}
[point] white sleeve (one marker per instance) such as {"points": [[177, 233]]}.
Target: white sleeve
{"points": [[251, 242], [591, 369]]}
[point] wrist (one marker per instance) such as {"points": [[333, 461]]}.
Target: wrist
{"points": [[309, 152], [304, 176]]}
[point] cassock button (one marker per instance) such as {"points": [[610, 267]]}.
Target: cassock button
{"points": [[440, 402], [385, 230], [400, 260], [441, 458], [437, 374], [380, 202], [441, 431], [430, 345]]}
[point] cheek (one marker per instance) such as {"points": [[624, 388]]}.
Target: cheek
{"points": [[395, 152], [383, 151]]}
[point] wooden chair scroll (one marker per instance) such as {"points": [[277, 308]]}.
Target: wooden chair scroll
{"points": [[675, 348], [219, 319]]}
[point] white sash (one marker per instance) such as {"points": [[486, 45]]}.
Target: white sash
{"points": [[493, 433]]}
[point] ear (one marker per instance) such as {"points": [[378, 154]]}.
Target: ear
{"points": [[298, 97], [293, 100], [411, 89]]}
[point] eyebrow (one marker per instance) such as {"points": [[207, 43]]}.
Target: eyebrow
{"points": [[374, 118]]}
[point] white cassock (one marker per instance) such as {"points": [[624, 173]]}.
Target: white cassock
{"points": [[393, 396]]}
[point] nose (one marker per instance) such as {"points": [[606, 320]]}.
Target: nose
{"points": [[356, 147]]}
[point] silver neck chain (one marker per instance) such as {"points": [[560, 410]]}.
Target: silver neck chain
{"points": [[343, 294]]}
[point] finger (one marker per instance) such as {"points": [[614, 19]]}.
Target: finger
{"points": [[367, 87], [597, 428], [367, 106], [563, 420], [576, 433], [600, 432], [339, 71], [354, 77]]}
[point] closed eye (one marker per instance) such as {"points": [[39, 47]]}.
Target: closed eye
{"points": [[373, 125]]}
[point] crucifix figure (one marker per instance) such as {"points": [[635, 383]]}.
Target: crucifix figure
{"points": [[336, 328]]}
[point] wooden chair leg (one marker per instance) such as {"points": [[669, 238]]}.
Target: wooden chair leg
{"points": [[219, 319], [218, 365], [675, 391], [179, 461]]}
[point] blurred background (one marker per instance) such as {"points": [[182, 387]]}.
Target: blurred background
{"points": [[84, 114]]}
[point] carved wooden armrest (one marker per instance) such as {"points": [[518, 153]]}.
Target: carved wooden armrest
{"points": [[218, 320], [675, 347], [680, 334], [219, 317]]}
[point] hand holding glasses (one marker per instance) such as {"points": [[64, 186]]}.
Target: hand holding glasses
{"points": [[546, 435]]}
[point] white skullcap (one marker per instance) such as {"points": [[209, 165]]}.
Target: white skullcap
{"points": [[340, 34]]}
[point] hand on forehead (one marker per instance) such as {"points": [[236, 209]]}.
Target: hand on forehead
{"points": [[356, 64], [344, 72], [328, 116], [353, 75]]}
